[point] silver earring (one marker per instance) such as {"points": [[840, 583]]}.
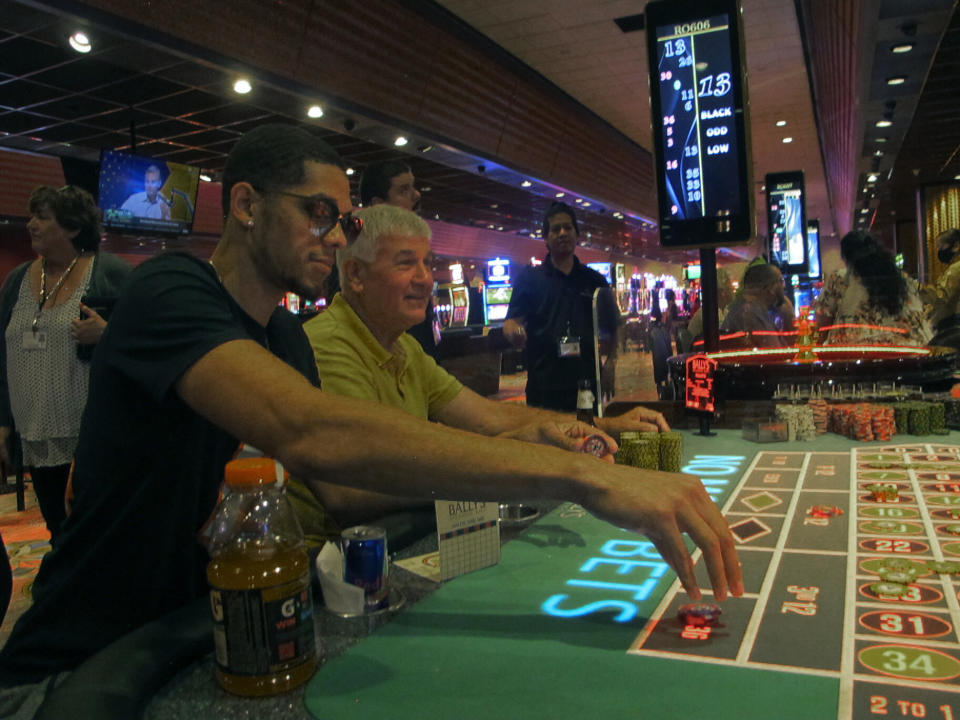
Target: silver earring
{"points": [[250, 223]]}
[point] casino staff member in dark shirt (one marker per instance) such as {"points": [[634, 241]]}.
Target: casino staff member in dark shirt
{"points": [[551, 315], [197, 357]]}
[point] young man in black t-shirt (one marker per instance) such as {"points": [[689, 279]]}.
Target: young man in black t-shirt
{"points": [[196, 358]]}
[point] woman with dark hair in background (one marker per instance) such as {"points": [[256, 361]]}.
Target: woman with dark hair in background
{"points": [[48, 332], [880, 304]]}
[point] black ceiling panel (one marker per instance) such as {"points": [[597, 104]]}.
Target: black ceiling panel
{"points": [[17, 94], [138, 89], [80, 73], [75, 107], [20, 56], [18, 122]]}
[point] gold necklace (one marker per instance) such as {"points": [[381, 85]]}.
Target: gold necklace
{"points": [[43, 287]]}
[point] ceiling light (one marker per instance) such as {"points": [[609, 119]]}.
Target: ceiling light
{"points": [[878, 153], [787, 140], [494, 206], [560, 194], [526, 183], [205, 177], [242, 86], [500, 228], [585, 204], [781, 123], [400, 141], [881, 139], [578, 200], [349, 171], [315, 111], [956, 177], [883, 123], [872, 177], [897, 80], [425, 189], [900, 48], [80, 42], [425, 148]]}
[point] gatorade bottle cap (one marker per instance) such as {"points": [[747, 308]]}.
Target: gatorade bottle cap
{"points": [[248, 472]]}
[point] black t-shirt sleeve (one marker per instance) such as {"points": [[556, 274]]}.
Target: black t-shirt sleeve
{"points": [[174, 312]]}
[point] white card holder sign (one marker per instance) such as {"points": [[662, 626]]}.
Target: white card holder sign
{"points": [[468, 536]]}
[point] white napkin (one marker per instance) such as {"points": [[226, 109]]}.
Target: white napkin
{"points": [[339, 596]]}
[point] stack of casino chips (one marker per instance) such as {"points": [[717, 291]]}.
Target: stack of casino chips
{"points": [[671, 451], [651, 450], [862, 421], [799, 420], [819, 409]]}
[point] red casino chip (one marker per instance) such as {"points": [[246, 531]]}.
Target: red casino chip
{"points": [[699, 614], [595, 445], [824, 511]]}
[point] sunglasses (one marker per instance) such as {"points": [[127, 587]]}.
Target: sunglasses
{"points": [[323, 211]]}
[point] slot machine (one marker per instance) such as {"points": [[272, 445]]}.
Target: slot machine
{"points": [[496, 291]]}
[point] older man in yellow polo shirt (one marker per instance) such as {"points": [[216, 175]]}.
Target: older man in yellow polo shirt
{"points": [[362, 350]]}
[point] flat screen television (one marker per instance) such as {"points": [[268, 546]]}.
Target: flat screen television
{"points": [[604, 268], [692, 272], [813, 249], [144, 195], [700, 111], [787, 223]]}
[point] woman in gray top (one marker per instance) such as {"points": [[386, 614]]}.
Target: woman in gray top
{"points": [[48, 332]]}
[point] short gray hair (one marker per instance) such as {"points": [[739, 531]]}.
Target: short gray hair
{"points": [[382, 221]]}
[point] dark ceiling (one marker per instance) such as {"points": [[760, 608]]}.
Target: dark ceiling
{"points": [[132, 95], [127, 96]]}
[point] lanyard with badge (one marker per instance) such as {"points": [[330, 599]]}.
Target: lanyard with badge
{"points": [[568, 346], [35, 338]]}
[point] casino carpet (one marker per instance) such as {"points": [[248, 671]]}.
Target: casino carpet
{"points": [[27, 540]]}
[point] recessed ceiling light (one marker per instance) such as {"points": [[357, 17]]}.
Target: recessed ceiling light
{"points": [[315, 111], [526, 183], [872, 177], [878, 153], [349, 171], [400, 141], [956, 177], [494, 206], [425, 189], [585, 204], [897, 80], [902, 48], [205, 177], [881, 139], [781, 123], [788, 140], [80, 42], [560, 194], [242, 86], [883, 123], [578, 200]]}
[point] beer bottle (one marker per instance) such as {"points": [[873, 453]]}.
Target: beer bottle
{"points": [[259, 577], [585, 402]]}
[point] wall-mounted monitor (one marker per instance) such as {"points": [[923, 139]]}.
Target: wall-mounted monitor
{"points": [[700, 112], [498, 271], [813, 249], [691, 272], [145, 195], [604, 268], [787, 223]]}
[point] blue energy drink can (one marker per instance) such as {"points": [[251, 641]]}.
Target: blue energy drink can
{"points": [[365, 563]]}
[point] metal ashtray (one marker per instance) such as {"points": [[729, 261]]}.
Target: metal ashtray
{"points": [[517, 513]]}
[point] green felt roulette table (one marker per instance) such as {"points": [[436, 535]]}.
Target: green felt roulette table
{"points": [[580, 619]]}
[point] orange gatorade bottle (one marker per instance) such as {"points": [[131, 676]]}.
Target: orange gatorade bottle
{"points": [[259, 578]]}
